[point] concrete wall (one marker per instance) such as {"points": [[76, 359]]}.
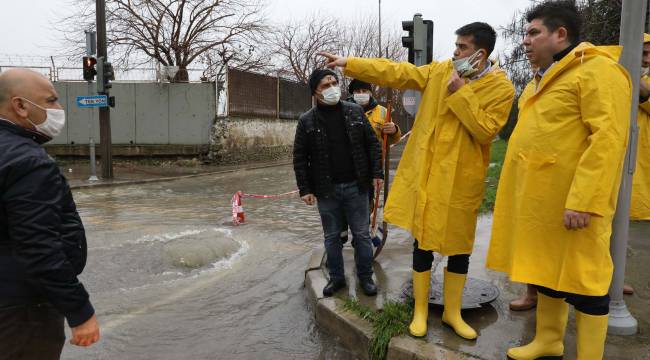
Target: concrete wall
{"points": [[145, 114], [153, 119], [237, 139]]}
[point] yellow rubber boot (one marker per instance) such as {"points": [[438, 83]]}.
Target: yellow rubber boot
{"points": [[453, 294], [421, 281], [548, 343], [592, 331]]}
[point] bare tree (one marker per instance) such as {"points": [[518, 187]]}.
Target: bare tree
{"points": [[172, 32], [252, 56], [297, 45], [514, 59]]}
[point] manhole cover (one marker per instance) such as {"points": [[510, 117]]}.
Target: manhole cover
{"points": [[475, 293]]}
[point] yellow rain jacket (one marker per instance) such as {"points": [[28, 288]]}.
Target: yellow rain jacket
{"points": [[377, 118], [640, 205], [566, 152], [440, 179]]}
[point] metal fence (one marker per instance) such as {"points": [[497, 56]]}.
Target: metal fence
{"points": [[264, 96]]}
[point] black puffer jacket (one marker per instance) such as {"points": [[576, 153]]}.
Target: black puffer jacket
{"points": [[42, 239], [311, 161]]}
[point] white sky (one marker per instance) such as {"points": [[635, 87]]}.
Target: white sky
{"points": [[27, 28], [447, 15]]}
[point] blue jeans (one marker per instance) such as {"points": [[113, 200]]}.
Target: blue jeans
{"points": [[346, 205]]}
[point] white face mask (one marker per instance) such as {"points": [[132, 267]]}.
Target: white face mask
{"points": [[54, 121], [331, 95], [466, 67], [361, 99], [644, 71]]}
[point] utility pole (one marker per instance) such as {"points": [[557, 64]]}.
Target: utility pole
{"points": [[104, 112], [621, 322], [91, 49], [380, 30], [647, 17]]}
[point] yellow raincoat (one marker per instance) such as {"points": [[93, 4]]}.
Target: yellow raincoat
{"points": [[566, 152], [377, 117], [640, 205], [440, 179]]}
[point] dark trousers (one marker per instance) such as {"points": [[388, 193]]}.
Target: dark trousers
{"points": [[346, 205], [591, 305], [31, 332], [423, 259]]}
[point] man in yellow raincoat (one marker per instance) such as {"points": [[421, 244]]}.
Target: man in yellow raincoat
{"points": [[640, 207], [440, 181], [559, 184]]}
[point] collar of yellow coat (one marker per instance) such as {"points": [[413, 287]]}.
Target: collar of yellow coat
{"points": [[581, 53], [646, 38]]}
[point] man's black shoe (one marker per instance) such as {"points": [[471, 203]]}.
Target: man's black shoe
{"points": [[332, 287], [368, 286]]}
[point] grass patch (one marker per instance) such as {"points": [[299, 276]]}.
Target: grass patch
{"points": [[497, 154], [386, 323]]}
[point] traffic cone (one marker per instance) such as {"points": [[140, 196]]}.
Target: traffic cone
{"points": [[238, 210]]}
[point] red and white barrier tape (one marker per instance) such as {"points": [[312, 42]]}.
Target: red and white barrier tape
{"points": [[253, 196], [238, 215], [402, 138]]}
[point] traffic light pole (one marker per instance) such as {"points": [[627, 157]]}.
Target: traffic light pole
{"points": [[91, 139], [417, 43], [91, 49], [104, 112]]}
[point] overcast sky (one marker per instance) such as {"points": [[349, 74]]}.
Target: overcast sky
{"points": [[27, 29]]}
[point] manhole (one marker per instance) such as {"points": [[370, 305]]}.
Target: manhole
{"points": [[475, 293]]}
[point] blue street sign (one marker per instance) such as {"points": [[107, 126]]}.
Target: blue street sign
{"points": [[92, 101]]}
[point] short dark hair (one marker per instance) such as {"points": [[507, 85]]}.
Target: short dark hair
{"points": [[483, 34], [317, 75], [556, 14], [357, 84]]}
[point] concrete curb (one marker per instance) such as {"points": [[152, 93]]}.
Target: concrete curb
{"points": [[171, 178], [355, 333]]}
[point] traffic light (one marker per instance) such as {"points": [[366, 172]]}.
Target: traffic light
{"points": [[89, 68], [407, 41], [105, 74], [419, 41], [429, 41]]}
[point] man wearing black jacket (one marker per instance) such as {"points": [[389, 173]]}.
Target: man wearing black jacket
{"points": [[337, 161], [42, 239]]}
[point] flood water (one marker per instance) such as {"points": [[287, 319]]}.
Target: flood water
{"points": [[171, 278]]}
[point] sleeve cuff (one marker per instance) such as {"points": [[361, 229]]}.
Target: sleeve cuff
{"points": [[459, 97], [81, 315]]}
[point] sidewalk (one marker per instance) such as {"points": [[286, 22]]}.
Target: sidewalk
{"points": [[498, 327], [138, 172]]}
